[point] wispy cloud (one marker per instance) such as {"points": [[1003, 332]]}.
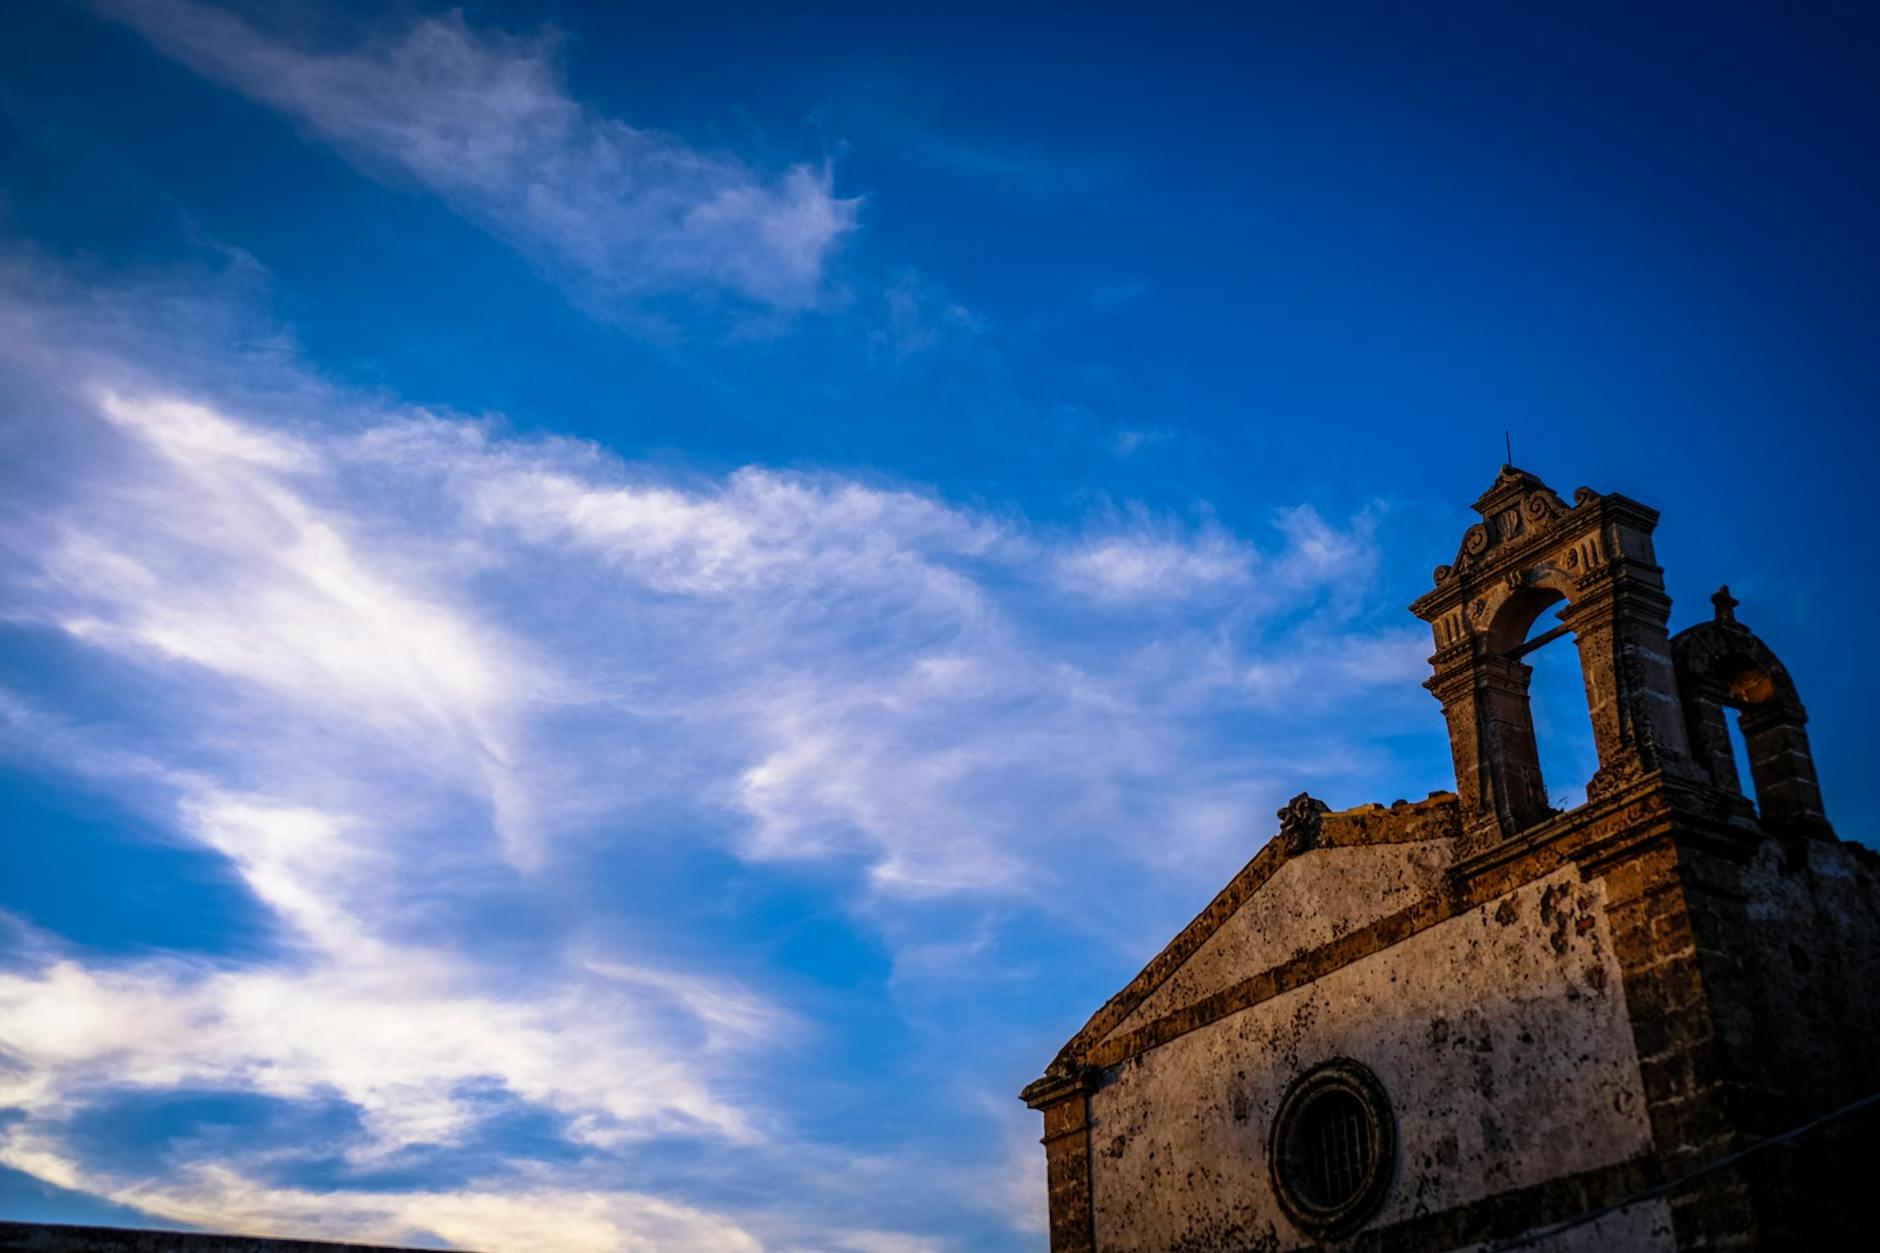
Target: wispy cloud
{"points": [[895, 118], [210, 549], [1145, 561], [1142, 565], [484, 118], [406, 672], [217, 1195], [412, 1039], [920, 317]]}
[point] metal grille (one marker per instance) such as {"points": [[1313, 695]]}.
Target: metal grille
{"points": [[1330, 1150], [1337, 1148]]}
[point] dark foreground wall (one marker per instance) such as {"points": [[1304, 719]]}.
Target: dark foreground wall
{"points": [[56, 1238]]}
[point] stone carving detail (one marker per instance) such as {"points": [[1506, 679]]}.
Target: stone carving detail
{"points": [[1299, 823], [1528, 550], [1515, 521]]}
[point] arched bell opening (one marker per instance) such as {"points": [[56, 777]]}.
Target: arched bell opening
{"points": [[1513, 620], [1722, 666], [1513, 640], [1530, 552]]}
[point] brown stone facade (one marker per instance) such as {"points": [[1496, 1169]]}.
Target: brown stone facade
{"points": [[1598, 1028]]}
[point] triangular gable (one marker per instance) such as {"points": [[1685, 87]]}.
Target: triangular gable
{"points": [[1307, 831]]}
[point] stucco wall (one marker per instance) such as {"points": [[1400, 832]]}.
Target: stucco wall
{"points": [[1500, 1035], [1312, 899]]}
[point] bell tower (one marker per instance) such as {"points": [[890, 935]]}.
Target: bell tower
{"points": [[1530, 552], [1646, 1022]]}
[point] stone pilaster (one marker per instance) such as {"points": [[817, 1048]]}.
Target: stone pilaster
{"points": [[1065, 1103], [1674, 1032], [1787, 791], [1631, 686]]}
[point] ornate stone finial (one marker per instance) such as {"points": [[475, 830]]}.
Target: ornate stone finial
{"points": [[1510, 485], [1726, 605], [1299, 823]]}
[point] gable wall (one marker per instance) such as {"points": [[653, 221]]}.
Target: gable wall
{"points": [[1500, 1035], [1310, 900]]}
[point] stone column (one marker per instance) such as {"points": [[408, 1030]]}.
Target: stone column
{"points": [[1455, 688], [1491, 738], [1631, 686], [1707, 732], [1513, 759], [1787, 791]]}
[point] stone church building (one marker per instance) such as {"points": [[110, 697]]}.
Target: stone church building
{"points": [[1649, 1022]]}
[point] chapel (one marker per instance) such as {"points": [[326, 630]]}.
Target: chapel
{"points": [[1649, 1021]]}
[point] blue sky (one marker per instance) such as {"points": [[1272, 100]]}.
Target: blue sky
{"points": [[621, 620]]}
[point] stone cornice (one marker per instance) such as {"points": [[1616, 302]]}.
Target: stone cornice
{"points": [[1523, 520]]}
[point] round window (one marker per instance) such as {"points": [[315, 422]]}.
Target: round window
{"points": [[1332, 1148]]}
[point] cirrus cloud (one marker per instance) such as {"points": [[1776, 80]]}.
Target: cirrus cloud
{"points": [[437, 696], [484, 119]]}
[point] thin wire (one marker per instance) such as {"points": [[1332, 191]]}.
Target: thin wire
{"points": [[1664, 1189]]}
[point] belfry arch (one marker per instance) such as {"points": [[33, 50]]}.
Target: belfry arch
{"points": [[1722, 665], [1531, 553]]}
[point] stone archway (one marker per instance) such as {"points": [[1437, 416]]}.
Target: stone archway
{"points": [[1531, 551], [1722, 665]]}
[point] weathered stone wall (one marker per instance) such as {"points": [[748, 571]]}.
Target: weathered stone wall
{"points": [[1310, 900], [1789, 949], [1500, 1035], [1645, 1226]]}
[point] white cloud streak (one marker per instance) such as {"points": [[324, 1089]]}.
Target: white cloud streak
{"points": [[485, 120], [217, 1196], [1128, 568], [393, 666]]}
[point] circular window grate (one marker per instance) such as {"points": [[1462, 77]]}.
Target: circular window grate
{"points": [[1332, 1147]]}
